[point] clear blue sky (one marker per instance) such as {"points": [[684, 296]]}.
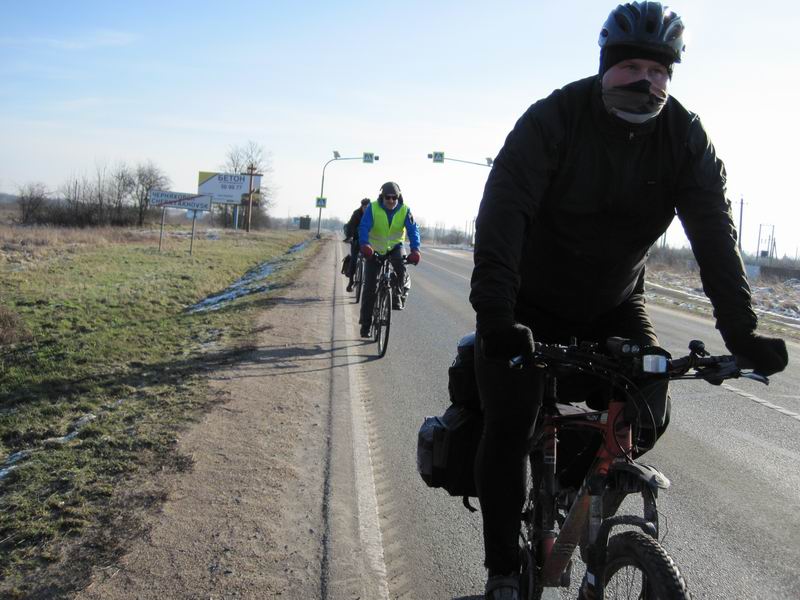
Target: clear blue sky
{"points": [[88, 83]]}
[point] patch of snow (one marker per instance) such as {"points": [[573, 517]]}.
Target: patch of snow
{"points": [[251, 283], [298, 247], [777, 301], [10, 463]]}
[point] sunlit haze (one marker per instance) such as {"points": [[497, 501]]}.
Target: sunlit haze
{"points": [[179, 83]]}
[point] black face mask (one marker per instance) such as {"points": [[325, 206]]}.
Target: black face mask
{"points": [[635, 102]]}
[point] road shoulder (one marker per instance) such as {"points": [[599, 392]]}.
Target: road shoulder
{"points": [[246, 519]]}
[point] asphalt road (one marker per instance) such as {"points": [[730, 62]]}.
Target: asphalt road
{"points": [[731, 517]]}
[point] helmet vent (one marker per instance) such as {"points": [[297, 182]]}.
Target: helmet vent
{"points": [[623, 23], [650, 26]]}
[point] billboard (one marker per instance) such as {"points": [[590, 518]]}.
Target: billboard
{"points": [[227, 188], [163, 199]]}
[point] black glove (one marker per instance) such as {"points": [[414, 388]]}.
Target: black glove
{"points": [[505, 342], [765, 355]]}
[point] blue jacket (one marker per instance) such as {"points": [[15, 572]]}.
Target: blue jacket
{"points": [[412, 231]]}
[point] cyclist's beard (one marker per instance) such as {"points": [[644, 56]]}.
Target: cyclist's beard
{"points": [[636, 102]]}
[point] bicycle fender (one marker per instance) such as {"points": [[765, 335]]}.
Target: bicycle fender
{"points": [[628, 475]]}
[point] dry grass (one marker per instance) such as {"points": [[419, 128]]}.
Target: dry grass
{"points": [[12, 329], [60, 236], [9, 213], [22, 244]]}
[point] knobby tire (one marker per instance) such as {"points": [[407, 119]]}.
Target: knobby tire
{"points": [[530, 585], [384, 319], [638, 567]]}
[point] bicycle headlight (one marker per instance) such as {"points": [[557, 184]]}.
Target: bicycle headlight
{"points": [[654, 363]]}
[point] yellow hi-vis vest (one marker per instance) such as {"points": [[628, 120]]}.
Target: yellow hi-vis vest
{"points": [[383, 237]]}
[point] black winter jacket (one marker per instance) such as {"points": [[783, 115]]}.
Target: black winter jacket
{"points": [[351, 227], [576, 198]]}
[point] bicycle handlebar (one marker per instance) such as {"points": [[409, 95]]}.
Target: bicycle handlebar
{"points": [[379, 256], [630, 359]]}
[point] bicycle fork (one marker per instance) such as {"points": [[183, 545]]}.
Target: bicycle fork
{"points": [[585, 517]]}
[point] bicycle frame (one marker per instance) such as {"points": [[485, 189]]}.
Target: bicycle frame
{"points": [[383, 280], [556, 519], [612, 469]]}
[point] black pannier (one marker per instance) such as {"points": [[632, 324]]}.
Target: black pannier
{"points": [[461, 384], [447, 445], [446, 450]]}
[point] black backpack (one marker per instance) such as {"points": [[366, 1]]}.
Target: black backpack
{"points": [[447, 445]]}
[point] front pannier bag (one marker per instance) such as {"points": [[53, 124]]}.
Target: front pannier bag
{"points": [[447, 445]]}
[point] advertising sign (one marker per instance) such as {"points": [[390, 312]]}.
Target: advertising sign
{"points": [[227, 188], [163, 199]]}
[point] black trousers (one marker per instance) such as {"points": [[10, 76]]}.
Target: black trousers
{"points": [[511, 399], [370, 284]]}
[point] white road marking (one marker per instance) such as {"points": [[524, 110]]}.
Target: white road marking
{"points": [[761, 401], [449, 271], [464, 254], [368, 522]]}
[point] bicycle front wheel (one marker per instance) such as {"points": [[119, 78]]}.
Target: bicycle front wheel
{"points": [[638, 567], [358, 278], [384, 320]]}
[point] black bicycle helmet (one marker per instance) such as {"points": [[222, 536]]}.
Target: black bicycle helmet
{"points": [[647, 26]]}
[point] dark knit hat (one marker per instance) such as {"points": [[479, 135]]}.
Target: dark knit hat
{"points": [[390, 188], [611, 55]]}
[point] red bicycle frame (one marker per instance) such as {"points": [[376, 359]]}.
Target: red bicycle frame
{"points": [[557, 550]]}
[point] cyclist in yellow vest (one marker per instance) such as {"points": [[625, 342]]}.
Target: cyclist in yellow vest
{"points": [[383, 229]]}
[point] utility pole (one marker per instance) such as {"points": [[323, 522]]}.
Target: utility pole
{"points": [[366, 157], [251, 170], [772, 248], [758, 245]]}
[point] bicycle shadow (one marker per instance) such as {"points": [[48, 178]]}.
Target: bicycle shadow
{"points": [[301, 358]]}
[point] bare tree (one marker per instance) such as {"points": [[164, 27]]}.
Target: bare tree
{"points": [[252, 158], [148, 177], [32, 200], [249, 156], [123, 181], [99, 209]]}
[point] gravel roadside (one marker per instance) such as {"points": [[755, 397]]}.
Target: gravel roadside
{"points": [[246, 520]]}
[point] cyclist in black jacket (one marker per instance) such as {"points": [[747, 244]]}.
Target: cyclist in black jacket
{"points": [[351, 231], [589, 178]]}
